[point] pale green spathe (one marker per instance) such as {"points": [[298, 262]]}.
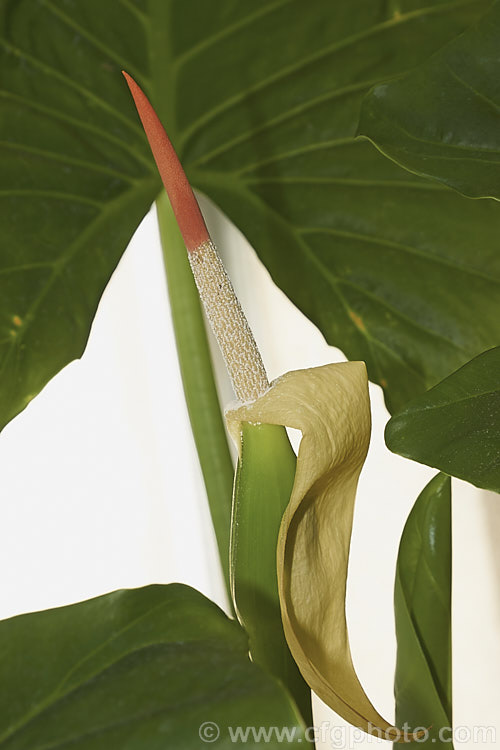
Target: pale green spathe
{"points": [[330, 405]]}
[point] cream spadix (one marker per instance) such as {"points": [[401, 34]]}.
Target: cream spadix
{"points": [[330, 405]]}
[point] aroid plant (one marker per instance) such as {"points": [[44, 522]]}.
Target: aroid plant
{"points": [[385, 255], [330, 406]]}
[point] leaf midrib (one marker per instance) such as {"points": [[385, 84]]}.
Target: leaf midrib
{"points": [[220, 696], [58, 693]]}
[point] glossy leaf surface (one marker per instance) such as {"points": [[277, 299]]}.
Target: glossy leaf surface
{"points": [[76, 180], [442, 120], [330, 405], [351, 238], [422, 601], [138, 670], [455, 426]]}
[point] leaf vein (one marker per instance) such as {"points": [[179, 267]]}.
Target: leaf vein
{"points": [[66, 159], [399, 313], [224, 33], [391, 244], [56, 693], [280, 119], [56, 195], [318, 56], [79, 124], [92, 39], [88, 94]]}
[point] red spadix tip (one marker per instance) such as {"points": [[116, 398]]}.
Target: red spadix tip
{"points": [[184, 204]]}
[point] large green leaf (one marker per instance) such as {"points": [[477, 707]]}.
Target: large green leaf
{"points": [[443, 119], [422, 602], [76, 180], [137, 670], [455, 427], [261, 100]]}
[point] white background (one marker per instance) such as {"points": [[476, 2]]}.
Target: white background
{"points": [[101, 489]]}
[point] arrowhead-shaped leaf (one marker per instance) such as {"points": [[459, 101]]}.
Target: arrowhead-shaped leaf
{"points": [[268, 133], [455, 426], [442, 120], [140, 670]]}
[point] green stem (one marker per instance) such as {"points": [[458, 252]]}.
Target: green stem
{"points": [[198, 379], [262, 489]]}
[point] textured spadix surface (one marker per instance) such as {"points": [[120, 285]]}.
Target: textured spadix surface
{"points": [[330, 405], [386, 264]]}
